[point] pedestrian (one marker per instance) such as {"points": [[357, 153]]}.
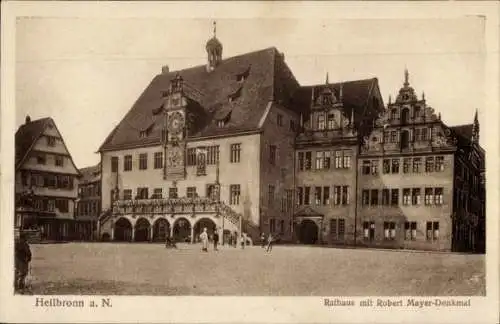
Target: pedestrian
{"points": [[269, 243], [204, 240], [22, 261], [216, 239], [235, 239], [262, 240]]}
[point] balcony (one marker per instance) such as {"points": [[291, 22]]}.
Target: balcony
{"points": [[166, 206]]}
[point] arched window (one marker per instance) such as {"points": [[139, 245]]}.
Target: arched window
{"points": [[417, 112], [405, 116], [321, 121]]}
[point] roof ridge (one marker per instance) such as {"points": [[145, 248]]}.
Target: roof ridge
{"points": [[340, 82]]}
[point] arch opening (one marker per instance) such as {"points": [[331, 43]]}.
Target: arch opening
{"points": [[202, 223], [141, 230], [123, 230], [182, 230], [161, 230], [308, 232]]}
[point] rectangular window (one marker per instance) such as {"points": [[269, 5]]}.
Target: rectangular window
{"points": [[127, 163], [429, 196], [211, 192], [341, 232], [415, 196], [326, 162], [418, 136], [320, 158], [417, 165], [439, 163], [272, 154], [41, 158], [395, 166], [369, 230], [366, 167], [279, 119], [234, 194], [331, 121], [157, 193], [300, 196], [282, 226], [386, 166], [235, 153], [191, 156], [114, 164], [347, 159], [142, 193], [406, 165], [143, 161], [389, 230], [62, 205], [51, 141], [317, 196], [59, 160], [394, 197], [425, 134], [374, 167], [386, 197], [292, 127], [307, 195], [270, 196], [300, 162], [333, 228], [172, 193], [406, 196], [308, 161], [365, 197], [410, 231], [394, 137], [432, 233], [191, 192], [326, 195], [438, 196], [212, 154], [321, 121], [158, 160], [429, 164], [127, 194], [374, 197], [338, 159]]}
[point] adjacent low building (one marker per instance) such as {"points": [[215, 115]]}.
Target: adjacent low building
{"points": [[88, 206]]}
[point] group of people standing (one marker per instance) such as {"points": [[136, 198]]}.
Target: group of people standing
{"points": [[233, 240]]}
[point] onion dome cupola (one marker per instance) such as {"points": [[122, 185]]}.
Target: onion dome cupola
{"points": [[214, 51], [406, 93]]}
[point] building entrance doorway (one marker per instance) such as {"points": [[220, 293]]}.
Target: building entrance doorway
{"points": [[308, 232], [141, 230], [182, 230], [123, 230]]}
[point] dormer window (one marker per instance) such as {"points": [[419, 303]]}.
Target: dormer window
{"points": [[143, 134], [51, 141], [235, 95], [221, 123], [243, 76]]}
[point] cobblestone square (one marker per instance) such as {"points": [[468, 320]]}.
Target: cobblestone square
{"points": [[151, 269]]}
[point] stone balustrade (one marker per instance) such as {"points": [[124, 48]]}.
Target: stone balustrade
{"points": [[168, 205]]}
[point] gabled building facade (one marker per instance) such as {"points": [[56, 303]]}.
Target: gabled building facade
{"points": [[46, 181], [327, 148], [418, 187], [208, 146]]}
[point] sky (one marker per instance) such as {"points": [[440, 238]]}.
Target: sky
{"points": [[86, 73]]}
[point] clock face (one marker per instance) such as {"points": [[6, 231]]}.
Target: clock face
{"points": [[175, 123]]}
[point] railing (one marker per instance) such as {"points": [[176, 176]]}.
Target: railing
{"points": [[170, 205]]}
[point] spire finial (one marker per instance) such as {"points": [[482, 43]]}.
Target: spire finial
{"points": [[407, 76], [475, 129], [327, 82], [341, 91], [215, 28], [423, 95], [390, 99]]}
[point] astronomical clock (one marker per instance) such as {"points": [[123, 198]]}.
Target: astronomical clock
{"points": [[175, 124]]}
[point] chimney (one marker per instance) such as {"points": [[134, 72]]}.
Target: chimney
{"points": [[165, 69], [28, 119]]}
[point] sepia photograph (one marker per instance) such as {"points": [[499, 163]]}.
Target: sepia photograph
{"points": [[249, 157]]}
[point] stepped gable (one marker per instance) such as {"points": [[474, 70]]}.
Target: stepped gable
{"points": [[250, 80], [355, 97], [27, 134]]}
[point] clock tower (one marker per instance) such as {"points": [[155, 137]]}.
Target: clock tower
{"points": [[175, 120]]}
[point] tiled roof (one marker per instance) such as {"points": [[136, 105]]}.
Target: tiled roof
{"points": [[464, 131], [267, 78], [355, 96], [90, 174], [27, 134]]}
